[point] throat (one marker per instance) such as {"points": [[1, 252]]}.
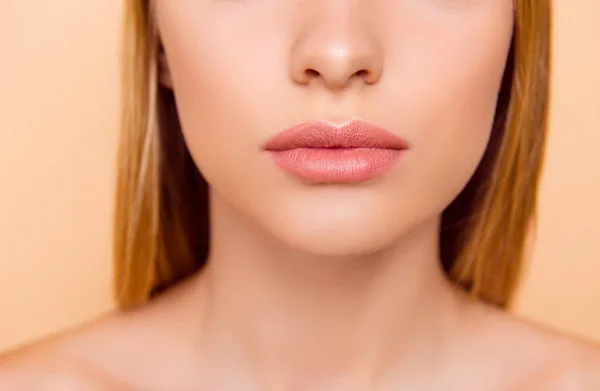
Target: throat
{"points": [[287, 318], [326, 326]]}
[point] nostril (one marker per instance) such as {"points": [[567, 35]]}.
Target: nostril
{"points": [[362, 73], [368, 76], [311, 73], [314, 74]]}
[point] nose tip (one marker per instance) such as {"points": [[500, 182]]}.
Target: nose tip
{"points": [[336, 52], [336, 66]]}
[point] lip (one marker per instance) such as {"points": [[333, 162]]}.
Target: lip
{"points": [[321, 152]]}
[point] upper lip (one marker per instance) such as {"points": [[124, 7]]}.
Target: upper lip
{"points": [[322, 134]]}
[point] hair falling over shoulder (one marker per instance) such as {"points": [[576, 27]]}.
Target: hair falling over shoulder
{"points": [[161, 216]]}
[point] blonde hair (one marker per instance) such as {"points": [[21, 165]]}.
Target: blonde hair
{"points": [[161, 222]]}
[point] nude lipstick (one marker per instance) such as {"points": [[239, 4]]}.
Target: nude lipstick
{"points": [[321, 152]]}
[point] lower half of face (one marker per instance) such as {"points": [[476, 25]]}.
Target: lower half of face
{"points": [[427, 72]]}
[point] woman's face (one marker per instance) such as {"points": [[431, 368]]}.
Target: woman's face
{"points": [[428, 71]]}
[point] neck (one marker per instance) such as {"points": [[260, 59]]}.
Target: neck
{"points": [[296, 317]]}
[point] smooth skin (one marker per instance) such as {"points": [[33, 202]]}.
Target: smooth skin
{"points": [[329, 287], [164, 346]]}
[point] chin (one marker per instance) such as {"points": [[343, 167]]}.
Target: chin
{"points": [[346, 227], [335, 242]]}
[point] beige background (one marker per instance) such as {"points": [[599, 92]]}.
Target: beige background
{"points": [[58, 123]]}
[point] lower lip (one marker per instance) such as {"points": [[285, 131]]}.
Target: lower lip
{"points": [[336, 165]]}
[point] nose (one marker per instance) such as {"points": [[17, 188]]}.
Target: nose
{"points": [[336, 47]]}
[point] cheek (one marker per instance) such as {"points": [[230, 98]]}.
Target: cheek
{"points": [[450, 102], [226, 100]]}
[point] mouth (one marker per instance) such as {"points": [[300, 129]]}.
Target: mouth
{"points": [[324, 153]]}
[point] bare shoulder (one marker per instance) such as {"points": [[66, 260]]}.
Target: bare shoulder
{"points": [[46, 366], [578, 377], [547, 360], [111, 353], [573, 365]]}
